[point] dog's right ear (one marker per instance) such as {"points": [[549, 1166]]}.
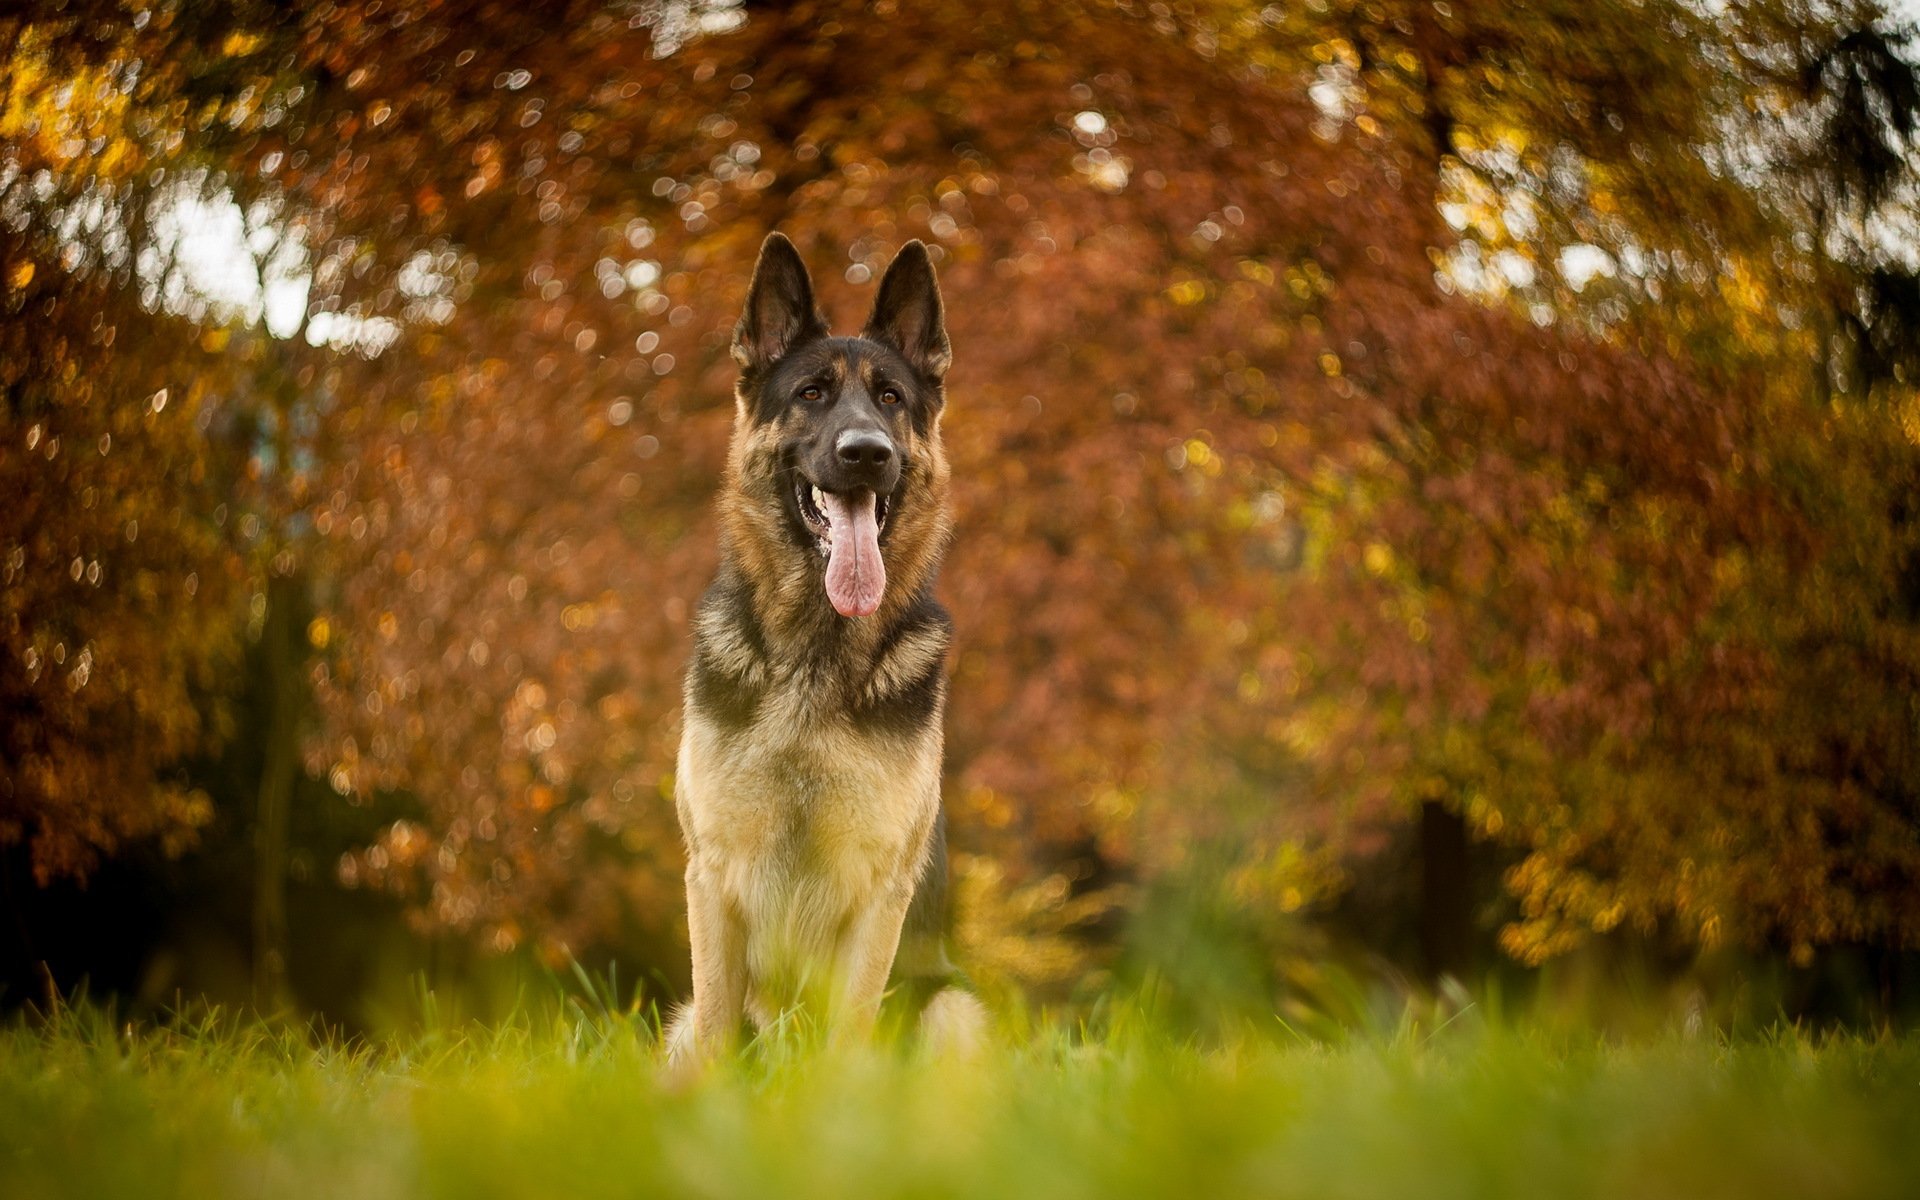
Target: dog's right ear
{"points": [[780, 313], [907, 313]]}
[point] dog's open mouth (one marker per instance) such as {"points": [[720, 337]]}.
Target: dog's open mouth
{"points": [[846, 528]]}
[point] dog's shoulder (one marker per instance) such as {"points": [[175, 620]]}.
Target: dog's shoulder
{"points": [[730, 667]]}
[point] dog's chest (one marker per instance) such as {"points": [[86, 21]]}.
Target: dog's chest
{"points": [[799, 795]]}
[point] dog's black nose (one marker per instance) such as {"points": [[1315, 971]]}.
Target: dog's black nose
{"points": [[862, 449]]}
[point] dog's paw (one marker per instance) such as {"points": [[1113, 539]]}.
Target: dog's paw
{"points": [[953, 1024], [680, 1051]]}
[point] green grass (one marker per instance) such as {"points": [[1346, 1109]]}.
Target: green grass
{"points": [[571, 1105]]}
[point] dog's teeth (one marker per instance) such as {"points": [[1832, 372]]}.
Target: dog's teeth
{"points": [[819, 500]]}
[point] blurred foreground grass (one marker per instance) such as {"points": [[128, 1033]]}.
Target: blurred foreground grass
{"points": [[570, 1105]]}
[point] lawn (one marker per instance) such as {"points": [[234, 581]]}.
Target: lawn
{"points": [[572, 1105]]}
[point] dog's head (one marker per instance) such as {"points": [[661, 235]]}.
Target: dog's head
{"points": [[836, 454]]}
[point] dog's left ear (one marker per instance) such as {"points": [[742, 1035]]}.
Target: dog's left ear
{"points": [[907, 313]]}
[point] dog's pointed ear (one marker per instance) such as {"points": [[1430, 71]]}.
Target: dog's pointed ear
{"points": [[780, 312], [907, 313]]}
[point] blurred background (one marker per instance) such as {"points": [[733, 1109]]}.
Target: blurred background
{"points": [[1436, 488]]}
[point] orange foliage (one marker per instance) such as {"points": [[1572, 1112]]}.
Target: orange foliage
{"points": [[1296, 483], [117, 590]]}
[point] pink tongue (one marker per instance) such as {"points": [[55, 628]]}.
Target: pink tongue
{"points": [[855, 575]]}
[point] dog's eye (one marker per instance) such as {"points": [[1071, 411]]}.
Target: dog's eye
{"points": [[811, 392], [890, 396]]}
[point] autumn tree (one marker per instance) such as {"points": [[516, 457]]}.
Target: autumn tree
{"points": [[1360, 411], [1653, 585], [118, 610], [155, 432], [1162, 418]]}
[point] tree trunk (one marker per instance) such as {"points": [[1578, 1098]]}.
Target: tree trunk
{"points": [[280, 658], [1446, 893]]}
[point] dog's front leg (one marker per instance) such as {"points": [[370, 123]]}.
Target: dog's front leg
{"points": [[872, 939], [866, 959], [719, 967]]}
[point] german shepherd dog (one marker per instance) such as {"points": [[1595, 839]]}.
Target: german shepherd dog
{"points": [[808, 784]]}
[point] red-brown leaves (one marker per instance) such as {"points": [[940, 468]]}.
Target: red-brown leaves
{"points": [[1270, 529]]}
